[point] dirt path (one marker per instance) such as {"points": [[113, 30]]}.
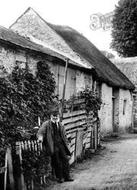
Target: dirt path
{"points": [[115, 167]]}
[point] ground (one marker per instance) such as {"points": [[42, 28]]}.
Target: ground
{"points": [[114, 167]]}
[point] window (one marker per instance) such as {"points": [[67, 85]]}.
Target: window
{"points": [[124, 106], [21, 64]]}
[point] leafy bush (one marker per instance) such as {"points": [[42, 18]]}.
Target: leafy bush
{"points": [[24, 97], [86, 100], [92, 101]]}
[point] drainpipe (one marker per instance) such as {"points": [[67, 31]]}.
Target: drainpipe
{"points": [[64, 88]]}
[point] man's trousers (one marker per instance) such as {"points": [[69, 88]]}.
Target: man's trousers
{"points": [[60, 163]]}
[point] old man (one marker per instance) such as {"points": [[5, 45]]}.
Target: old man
{"points": [[54, 139]]}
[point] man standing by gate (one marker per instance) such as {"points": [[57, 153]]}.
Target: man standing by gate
{"points": [[55, 142]]}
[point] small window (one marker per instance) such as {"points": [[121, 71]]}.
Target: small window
{"points": [[124, 106], [21, 64]]}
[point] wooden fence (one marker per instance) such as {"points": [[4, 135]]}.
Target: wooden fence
{"points": [[82, 131]]}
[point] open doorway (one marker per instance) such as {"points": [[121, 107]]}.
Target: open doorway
{"points": [[115, 110]]}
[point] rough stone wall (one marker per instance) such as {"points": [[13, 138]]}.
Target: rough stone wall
{"points": [[125, 111], [9, 58], [31, 25], [122, 117], [105, 113], [129, 67]]}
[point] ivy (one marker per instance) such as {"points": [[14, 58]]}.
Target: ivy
{"points": [[86, 100], [24, 97], [92, 101]]}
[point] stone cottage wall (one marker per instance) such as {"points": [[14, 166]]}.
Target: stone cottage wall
{"points": [[125, 110], [120, 115], [7, 60], [105, 114], [129, 67], [31, 25], [76, 80]]}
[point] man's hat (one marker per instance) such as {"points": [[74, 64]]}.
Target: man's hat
{"points": [[54, 110]]}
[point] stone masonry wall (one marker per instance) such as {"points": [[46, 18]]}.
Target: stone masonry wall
{"points": [[9, 58], [105, 114], [122, 112], [125, 110], [32, 26]]}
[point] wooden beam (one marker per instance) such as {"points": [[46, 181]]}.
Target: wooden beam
{"points": [[64, 89]]}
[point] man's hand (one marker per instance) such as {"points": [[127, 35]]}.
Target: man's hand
{"points": [[40, 138], [68, 157]]}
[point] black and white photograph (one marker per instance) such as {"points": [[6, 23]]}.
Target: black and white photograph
{"points": [[68, 95]]}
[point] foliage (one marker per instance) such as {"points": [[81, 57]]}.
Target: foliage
{"points": [[35, 164], [124, 28], [24, 97], [90, 101]]}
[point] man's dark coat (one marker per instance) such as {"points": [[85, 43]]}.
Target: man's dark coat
{"points": [[47, 132]]}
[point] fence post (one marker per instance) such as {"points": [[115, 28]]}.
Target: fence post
{"points": [[21, 182], [96, 136], [75, 157], [5, 173], [10, 168], [91, 138], [98, 125]]}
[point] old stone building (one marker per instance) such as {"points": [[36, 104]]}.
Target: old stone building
{"points": [[129, 67], [17, 50], [114, 87], [87, 65]]}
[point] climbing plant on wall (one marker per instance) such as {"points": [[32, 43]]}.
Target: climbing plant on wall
{"points": [[85, 99], [92, 101], [24, 97]]}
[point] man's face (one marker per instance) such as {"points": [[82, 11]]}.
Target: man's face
{"points": [[55, 117]]}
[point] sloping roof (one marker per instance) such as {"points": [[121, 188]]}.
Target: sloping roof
{"points": [[105, 69], [128, 66], [75, 44], [9, 36], [32, 25]]}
